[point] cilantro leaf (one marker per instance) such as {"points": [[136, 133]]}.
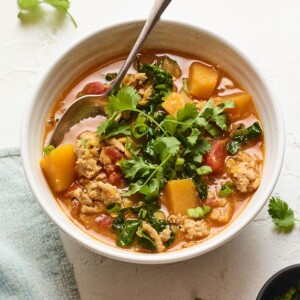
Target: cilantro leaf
{"points": [[216, 114], [220, 120], [282, 216], [136, 167], [188, 113], [62, 5], [201, 147], [169, 124], [207, 110], [110, 128], [193, 137], [127, 98], [165, 146]]}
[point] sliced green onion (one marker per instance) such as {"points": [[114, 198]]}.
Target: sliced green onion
{"points": [[179, 163], [48, 149], [139, 130], [185, 85], [142, 213], [204, 170], [213, 130], [198, 158], [198, 212], [226, 189]]}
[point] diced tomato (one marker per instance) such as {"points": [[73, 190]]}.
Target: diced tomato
{"points": [[215, 158], [104, 221], [94, 88], [116, 178], [114, 153], [114, 174]]}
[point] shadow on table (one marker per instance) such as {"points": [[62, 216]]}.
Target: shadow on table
{"points": [[228, 273]]}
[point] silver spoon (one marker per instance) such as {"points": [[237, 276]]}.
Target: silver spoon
{"points": [[93, 105]]}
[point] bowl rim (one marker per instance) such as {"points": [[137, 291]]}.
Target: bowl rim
{"points": [[273, 277], [130, 256]]}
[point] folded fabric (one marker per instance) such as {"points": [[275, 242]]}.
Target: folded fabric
{"points": [[33, 264]]}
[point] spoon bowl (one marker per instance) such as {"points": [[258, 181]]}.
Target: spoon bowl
{"points": [[93, 105]]}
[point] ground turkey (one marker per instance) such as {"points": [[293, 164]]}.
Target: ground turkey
{"points": [[87, 150], [154, 236], [98, 191], [244, 172], [190, 228]]}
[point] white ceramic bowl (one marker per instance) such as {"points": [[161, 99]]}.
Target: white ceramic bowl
{"points": [[108, 42]]}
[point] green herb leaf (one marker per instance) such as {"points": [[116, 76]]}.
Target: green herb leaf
{"points": [[242, 135], [144, 238], [62, 5], [188, 113], [165, 146], [233, 147], [127, 98], [194, 136], [110, 128], [127, 232], [162, 82], [136, 167], [113, 208], [170, 124], [255, 131], [282, 215]]}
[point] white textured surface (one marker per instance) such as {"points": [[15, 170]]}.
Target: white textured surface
{"points": [[269, 33]]}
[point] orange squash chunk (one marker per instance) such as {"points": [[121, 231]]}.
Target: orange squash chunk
{"points": [[180, 195], [242, 107], [59, 167], [174, 102], [202, 80]]}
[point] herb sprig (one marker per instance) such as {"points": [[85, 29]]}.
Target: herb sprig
{"points": [[62, 5], [282, 215]]}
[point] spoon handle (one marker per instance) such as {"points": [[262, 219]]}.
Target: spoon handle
{"points": [[157, 10]]}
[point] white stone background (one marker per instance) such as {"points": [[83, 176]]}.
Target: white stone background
{"points": [[268, 31]]}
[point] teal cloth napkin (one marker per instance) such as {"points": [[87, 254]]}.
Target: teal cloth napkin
{"points": [[33, 264]]}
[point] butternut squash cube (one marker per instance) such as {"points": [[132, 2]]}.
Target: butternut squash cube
{"points": [[174, 102], [59, 167], [180, 195], [202, 80], [242, 107]]}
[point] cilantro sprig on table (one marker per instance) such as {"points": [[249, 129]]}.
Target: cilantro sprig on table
{"points": [[62, 5], [282, 215]]}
